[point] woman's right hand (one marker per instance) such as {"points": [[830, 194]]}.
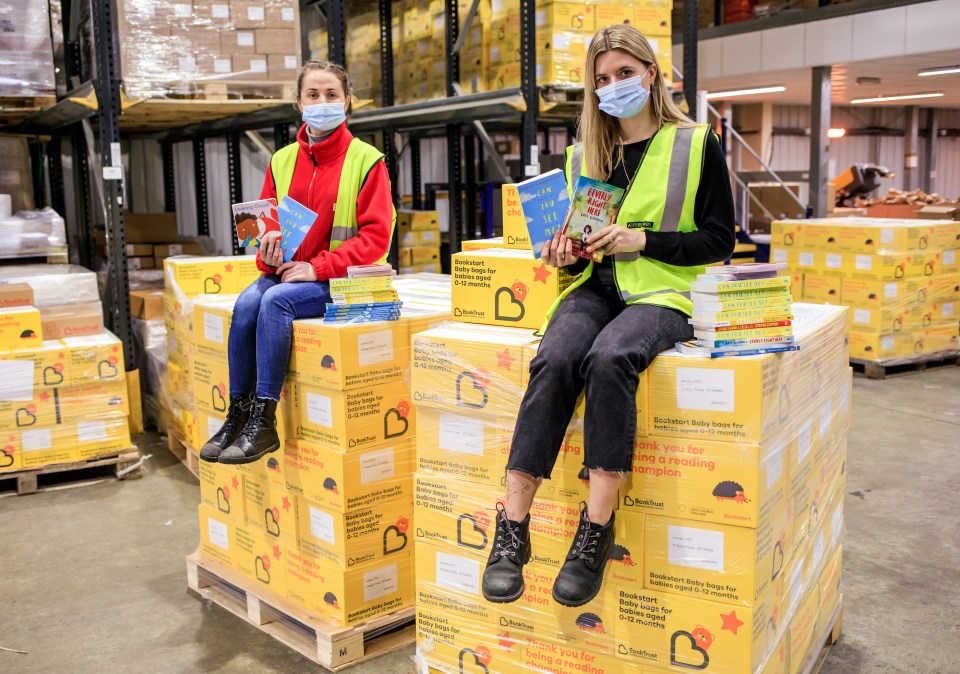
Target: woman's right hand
{"points": [[270, 252], [558, 252]]}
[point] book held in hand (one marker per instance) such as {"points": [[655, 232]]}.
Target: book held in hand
{"points": [[295, 221], [545, 202], [253, 219], [594, 206]]}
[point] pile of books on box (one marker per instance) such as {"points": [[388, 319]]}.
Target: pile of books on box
{"points": [[741, 310], [366, 294]]}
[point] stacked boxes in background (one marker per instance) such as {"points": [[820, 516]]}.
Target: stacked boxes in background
{"points": [[900, 278], [25, 48], [63, 398], [174, 48], [419, 241], [728, 526], [327, 520]]}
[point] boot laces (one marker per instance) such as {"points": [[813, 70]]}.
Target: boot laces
{"points": [[256, 415], [508, 539], [588, 538], [233, 416]]}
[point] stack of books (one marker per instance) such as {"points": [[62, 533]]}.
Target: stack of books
{"points": [[365, 295], [741, 310]]}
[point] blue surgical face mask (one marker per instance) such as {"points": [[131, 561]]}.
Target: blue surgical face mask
{"points": [[623, 99], [324, 116]]}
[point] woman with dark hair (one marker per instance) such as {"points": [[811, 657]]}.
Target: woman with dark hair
{"points": [[345, 182]]}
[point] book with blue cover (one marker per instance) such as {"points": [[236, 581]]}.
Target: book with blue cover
{"points": [[545, 202], [295, 221], [594, 206]]}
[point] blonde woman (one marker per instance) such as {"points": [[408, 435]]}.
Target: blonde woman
{"points": [[676, 217]]}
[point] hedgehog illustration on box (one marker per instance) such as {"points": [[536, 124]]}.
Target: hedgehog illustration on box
{"points": [[590, 622], [621, 555], [330, 599], [327, 363], [330, 485], [730, 491]]}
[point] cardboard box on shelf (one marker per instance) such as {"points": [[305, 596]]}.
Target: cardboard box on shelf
{"points": [[415, 221], [138, 263], [245, 14], [15, 295], [146, 304], [150, 227], [72, 320], [426, 237], [348, 480], [283, 66], [282, 14], [275, 40], [250, 66], [239, 42], [165, 250], [20, 328]]}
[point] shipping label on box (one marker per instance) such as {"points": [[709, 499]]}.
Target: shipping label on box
{"points": [[467, 447], [504, 287], [221, 490], [355, 537], [349, 596], [211, 382], [218, 539], [270, 510], [482, 369], [348, 480], [355, 419], [515, 232], [346, 357], [20, 328], [211, 324], [260, 559], [720, 482]]}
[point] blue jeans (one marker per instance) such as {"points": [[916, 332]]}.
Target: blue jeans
{"points": [[262, 330]]}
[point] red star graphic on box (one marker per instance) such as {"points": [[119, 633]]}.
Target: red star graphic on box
{"points": [[504, 359], [286, 504], [228, 267], [115, 348], [44, 397], [61, 355], [541, 273], [731, 622], [276, 551], [235, 482]]}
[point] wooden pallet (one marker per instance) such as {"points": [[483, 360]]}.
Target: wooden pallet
{"points": [[319, 640], [817, 658], [891, 367], [150, 115], [15, 109], [188, 456], [60, 476]]}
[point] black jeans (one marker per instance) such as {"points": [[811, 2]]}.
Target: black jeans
{"points": [[597, 342]]}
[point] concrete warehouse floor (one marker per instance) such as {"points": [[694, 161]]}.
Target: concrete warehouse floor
{"points": [[94, 580]]}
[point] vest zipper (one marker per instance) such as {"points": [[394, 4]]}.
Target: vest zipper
{"points": [[625, 195]]}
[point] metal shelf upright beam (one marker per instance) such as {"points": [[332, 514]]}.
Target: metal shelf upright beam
{"points": [[386, 87], [528, 85], [169, 179], [200, 182], [690, 29], [336, 32], [235, 172], [454, 175]]}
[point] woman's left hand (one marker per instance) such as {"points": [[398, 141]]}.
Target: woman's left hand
{"points": [[617, 239], [292, 272]]}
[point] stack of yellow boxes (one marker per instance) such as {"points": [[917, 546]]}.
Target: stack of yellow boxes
{"points": [[419, 241], [325, 521], [900, 278], [728, 526], [61, 400]]}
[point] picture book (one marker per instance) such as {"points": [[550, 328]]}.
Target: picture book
{"points": [[779, 300], [714, 285], [593, 207], [695, 349], [370, 270], [253, 219], [545, 202], [295, 221], [741, 272]]}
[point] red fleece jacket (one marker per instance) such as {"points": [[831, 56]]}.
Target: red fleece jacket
{"points": [[316, 179]]}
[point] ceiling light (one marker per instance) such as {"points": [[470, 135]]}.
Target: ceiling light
{"points": [[884, 99], [744, 92], [939, 71], [836, 133]]}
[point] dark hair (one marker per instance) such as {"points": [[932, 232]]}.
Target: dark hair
{"points": [[240, 217], [329, 67]]}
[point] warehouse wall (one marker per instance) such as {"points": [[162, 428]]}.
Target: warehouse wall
{"points": [[793, 152]]}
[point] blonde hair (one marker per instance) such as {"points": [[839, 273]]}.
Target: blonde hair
{"points": [[600, 132]]}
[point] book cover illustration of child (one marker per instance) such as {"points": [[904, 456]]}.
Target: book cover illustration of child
{"points": [[253, 219]]}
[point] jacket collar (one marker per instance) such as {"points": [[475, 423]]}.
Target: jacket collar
{"points": [[332, 147]]}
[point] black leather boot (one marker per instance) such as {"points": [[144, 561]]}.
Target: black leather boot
{"points": [[503, 577], [237, 415], [581, 575], [259, 435]]}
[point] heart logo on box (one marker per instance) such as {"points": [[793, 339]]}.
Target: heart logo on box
{"points": [[478, 664], [270, 522], [474, 386], [106, 370], [777, 560], [690, 657], [262, 570], [211, 286], [476, 529], [6, 457], [223, 500], [394, 424], [503, 301], [25, 417], [52, 375], [394, 540], [219, 402]]}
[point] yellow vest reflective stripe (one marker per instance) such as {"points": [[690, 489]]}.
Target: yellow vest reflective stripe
{"points": [[359, 161], [661, 199]]}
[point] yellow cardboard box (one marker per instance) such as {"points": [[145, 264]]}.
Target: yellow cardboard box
{"points": [[482, 244], [448, 582], [934, 314], [454, 516], [453, 643], [829, 589], [260, 559], [218, 536], [650, 19], [482, 369], [221, 490], [802, 632], [515, 232], [211, 384], [821, 288], [355, 419], [373, 533], [504, 287], [72, 442], [65, 405], [94, 358], [946, 235], [723, 563], [555, 655], [187, 277], [574, 16], [785, 234], [950, 261], [419, 255], [934, 340], [349, 596], [417, 221], [470, 447], [876, 346], [903, 294], [885, 320], [346, 357], [10, 453], [211, 324], [348, 480], [426, 237], [20, 328], [270, 510]]}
